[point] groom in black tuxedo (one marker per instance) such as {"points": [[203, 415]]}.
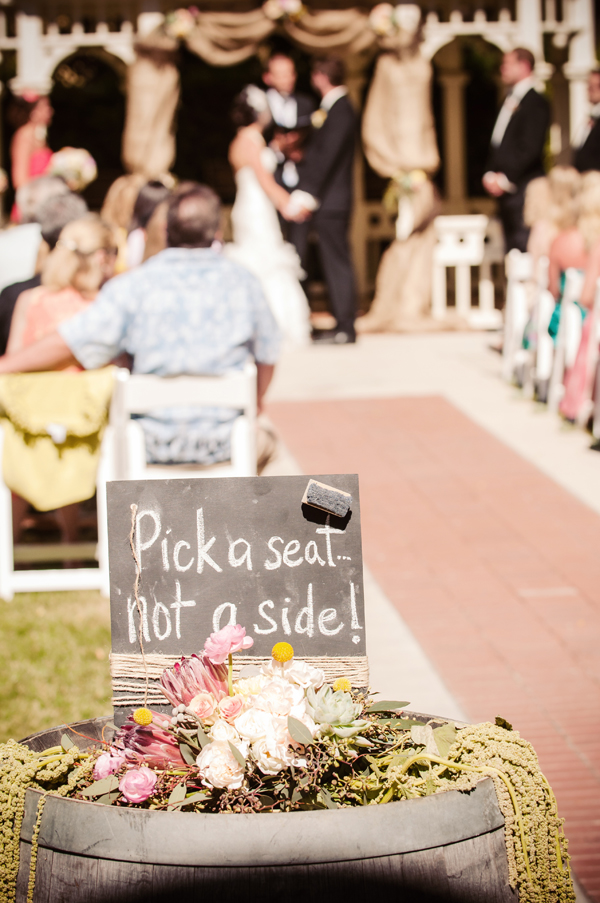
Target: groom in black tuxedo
{"points": [[326, 175], [586, 149], [516, 154]]}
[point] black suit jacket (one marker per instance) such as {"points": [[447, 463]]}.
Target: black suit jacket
{"points": [[8, 300], [520, 153], [588, 155], [327, 169]]}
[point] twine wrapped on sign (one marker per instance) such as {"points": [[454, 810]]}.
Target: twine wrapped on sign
{"points": [[136, 678]]}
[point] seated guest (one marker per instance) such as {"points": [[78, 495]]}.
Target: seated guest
{"points": [[571, 248], [53, 216], [81, 262], [117, 211], [151, 195], [19, 246], [187, 310], [550, 208]]}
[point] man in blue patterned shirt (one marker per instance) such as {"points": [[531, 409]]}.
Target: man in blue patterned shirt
{"points": [[188, 310]]}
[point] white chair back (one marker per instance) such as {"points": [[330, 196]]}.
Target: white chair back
{"points": [[56, 579], [519, 272], [568, 336], [142, 394]]}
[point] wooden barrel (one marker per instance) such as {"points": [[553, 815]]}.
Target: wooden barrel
{"points": [[446, 847]]}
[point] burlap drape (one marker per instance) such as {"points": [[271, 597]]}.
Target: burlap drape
{"points": [[398, 134], [398, 130], [222, 39]]}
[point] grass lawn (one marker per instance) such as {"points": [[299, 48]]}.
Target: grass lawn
{"points": [[54, 660]]}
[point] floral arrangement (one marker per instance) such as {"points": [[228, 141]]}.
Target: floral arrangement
{"points": [[403, 184], [278, 10], [282, 739], [180, 23], [75, 165]]}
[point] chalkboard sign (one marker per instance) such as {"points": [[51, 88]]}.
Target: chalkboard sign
{"points": [[240, 550]]}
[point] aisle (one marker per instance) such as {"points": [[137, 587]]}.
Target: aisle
{"points": [[493, 567]]}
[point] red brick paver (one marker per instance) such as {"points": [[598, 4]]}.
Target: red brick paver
{"points": [[495, 569]]}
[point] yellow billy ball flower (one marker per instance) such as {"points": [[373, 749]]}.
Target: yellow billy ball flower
{"points": [[342, 683], [142, 716], [282, 652]]}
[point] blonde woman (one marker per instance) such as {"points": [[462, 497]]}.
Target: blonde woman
{"points": [[551, 207], [82, 261], [74, 272]]}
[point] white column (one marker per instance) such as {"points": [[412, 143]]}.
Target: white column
{"points": [[582, 58], [31, 68], [529, 19], [150, 16]]}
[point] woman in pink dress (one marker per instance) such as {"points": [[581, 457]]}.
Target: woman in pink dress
{"points": [[82, 261], [29, 152]]}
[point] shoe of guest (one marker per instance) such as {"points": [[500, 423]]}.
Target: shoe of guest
{"points": [[333, 337]]}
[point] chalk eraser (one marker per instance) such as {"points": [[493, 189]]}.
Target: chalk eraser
{"points": [[327, 498]]}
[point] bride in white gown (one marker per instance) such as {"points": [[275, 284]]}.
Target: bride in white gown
{"points": [[257, 240]]}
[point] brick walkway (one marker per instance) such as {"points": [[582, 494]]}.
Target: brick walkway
{"points": [[495, 569]]}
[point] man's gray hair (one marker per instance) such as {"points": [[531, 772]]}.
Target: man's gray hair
{"points": [[55, 213], [32, 195]]}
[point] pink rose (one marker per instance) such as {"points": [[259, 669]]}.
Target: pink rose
{"points": [[108, 763], [137, 784], [219, 646], [203, 706], [230, 707]]}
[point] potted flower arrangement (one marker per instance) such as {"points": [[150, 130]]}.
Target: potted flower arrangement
{"points": [[277, 740]]}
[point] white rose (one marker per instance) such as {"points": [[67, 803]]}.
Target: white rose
{"points": [[295, 671], [254, 724], [279, 697], [271, 756], [250, 686], [222, 731], [219, 767]]}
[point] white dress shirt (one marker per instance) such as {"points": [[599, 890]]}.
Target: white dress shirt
{"points": [[284, 108]]}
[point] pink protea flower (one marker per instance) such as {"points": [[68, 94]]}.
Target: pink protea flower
{"points": [[138, 784], [219, 646], [149, 743], [191, 676]]}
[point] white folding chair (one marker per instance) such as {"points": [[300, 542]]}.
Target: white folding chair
{"points": [[59, 579], [142, 394], [519, 272], [567, 338], [586, 409]]}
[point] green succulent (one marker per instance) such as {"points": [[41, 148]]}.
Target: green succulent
{"points": [[334, 711]]}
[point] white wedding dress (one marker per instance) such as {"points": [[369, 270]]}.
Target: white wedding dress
{"points": [[259, 246]]}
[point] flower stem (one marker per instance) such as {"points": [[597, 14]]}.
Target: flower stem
{"points": [[230, 674]]}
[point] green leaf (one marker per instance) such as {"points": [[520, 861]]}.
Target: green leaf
{"points": [[187, 754], [66, 743], [444, 738], [98, 788], [299, 732], [189, 800], [237, 755], [265, 799], [296, 795], [177, 794], [203, 739], [107, 798], [326, 797], [387, 705]]}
